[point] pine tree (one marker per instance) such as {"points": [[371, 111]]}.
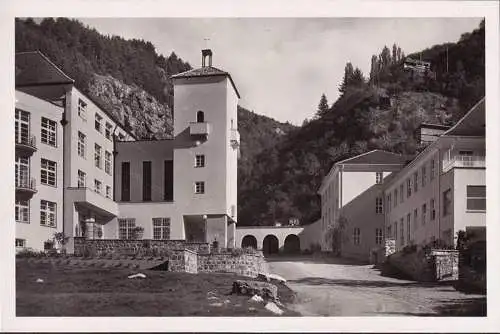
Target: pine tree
{"points": [[348, 72], [322, 106]]}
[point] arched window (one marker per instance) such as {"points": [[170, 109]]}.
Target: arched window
{"points": [[200, 117]]}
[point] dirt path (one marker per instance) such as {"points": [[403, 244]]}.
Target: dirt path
{"points": [[342, 288]]}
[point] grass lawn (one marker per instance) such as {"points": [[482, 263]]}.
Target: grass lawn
{"points": [[69, 291]]}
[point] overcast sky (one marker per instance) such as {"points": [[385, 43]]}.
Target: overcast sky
{"points": [[282, 66]]}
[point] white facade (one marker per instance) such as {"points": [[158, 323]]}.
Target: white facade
{"points": [[188, 191], [31, 230]]}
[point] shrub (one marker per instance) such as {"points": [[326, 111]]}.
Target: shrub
{"points": [[241, 251], [30, 253]]}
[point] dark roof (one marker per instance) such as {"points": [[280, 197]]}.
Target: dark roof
{"points": [[34, 68], [376, 157], [472, 124], [433, 126], [206, 71]]}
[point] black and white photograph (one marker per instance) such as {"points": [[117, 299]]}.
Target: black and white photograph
{"points": [[227, 166]]}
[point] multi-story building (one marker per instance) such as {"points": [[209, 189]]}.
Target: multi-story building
{"points": [[432, 197], [443, 189], [353, 191], [88, 176]]}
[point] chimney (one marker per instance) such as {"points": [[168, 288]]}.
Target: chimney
{"points": [[204, 54]]}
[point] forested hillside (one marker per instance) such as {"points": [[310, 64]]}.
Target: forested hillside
{"points": [[381, 111]]}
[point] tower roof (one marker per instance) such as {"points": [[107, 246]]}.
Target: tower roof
{"points": [[206, 71]]}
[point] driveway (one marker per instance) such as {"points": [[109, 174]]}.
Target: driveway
{"points": [[338, 287]]}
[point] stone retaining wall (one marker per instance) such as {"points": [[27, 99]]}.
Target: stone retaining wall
{"points": [[183, 261], [244, 264], [131, 247], [437, 265]]}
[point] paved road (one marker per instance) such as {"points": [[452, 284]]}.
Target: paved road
{"points": [[336, 287]]}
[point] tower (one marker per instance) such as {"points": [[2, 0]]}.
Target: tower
{"points": [[206, 152]]}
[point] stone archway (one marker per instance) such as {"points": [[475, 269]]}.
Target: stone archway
{"points": [[249, 241], [270, 245], [292, 244]]}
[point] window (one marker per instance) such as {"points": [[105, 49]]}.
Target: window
{"points": [[199, 160], [408, 187], [415, 218], [97, 124], [98, 156], [378, 177], [402, 231], [49, 132], [48, 172], [81, 144], [146, 180], [446, 202], [97, 186], [22, 129], [395, 197], [126, 228], [47, 213], [161, 228], [389, 231], [22, 167], [200, 117], [424, 213], [424, 175], [125, 181], [415, 181], [82, 179], [168, 180], [199, 187], [433, 168], [107, 162], [476, 198], [378, 236], [396, 230], [356, 236], [82, 109], [433, 209], [389, 203], [401, 194], [108, 191], [408, 226], [20, 243], [378, 205], [22, 211], [109, 130]]}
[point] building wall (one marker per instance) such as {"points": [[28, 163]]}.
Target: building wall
{"points": [[419, 232], [463, 217], [360, 213], [232, 153], [34, 233], [260, 232], [156, 151], [210, 96], [311, 235]]}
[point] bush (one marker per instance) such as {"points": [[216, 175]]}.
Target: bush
{"points": [[30, 253], [241, 251]]}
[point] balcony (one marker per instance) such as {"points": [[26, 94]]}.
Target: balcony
{"points": [[25, 187], [464, 161], [88, 199], [26, 144], [199, 129]]}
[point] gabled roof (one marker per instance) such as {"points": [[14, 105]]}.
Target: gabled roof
{"points": [[205, 71], [34, 68], [472, 124], [375, 157]]}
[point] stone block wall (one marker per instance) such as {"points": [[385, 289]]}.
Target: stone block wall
{"points": [[183, 260], [446, 264], [190, 261], [390, 247], [131, 247], [244, 264]]}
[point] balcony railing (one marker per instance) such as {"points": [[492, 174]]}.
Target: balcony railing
{"points": [[235, 138], [464, 161], [26, 184], [199, 129], [26, 142]]}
